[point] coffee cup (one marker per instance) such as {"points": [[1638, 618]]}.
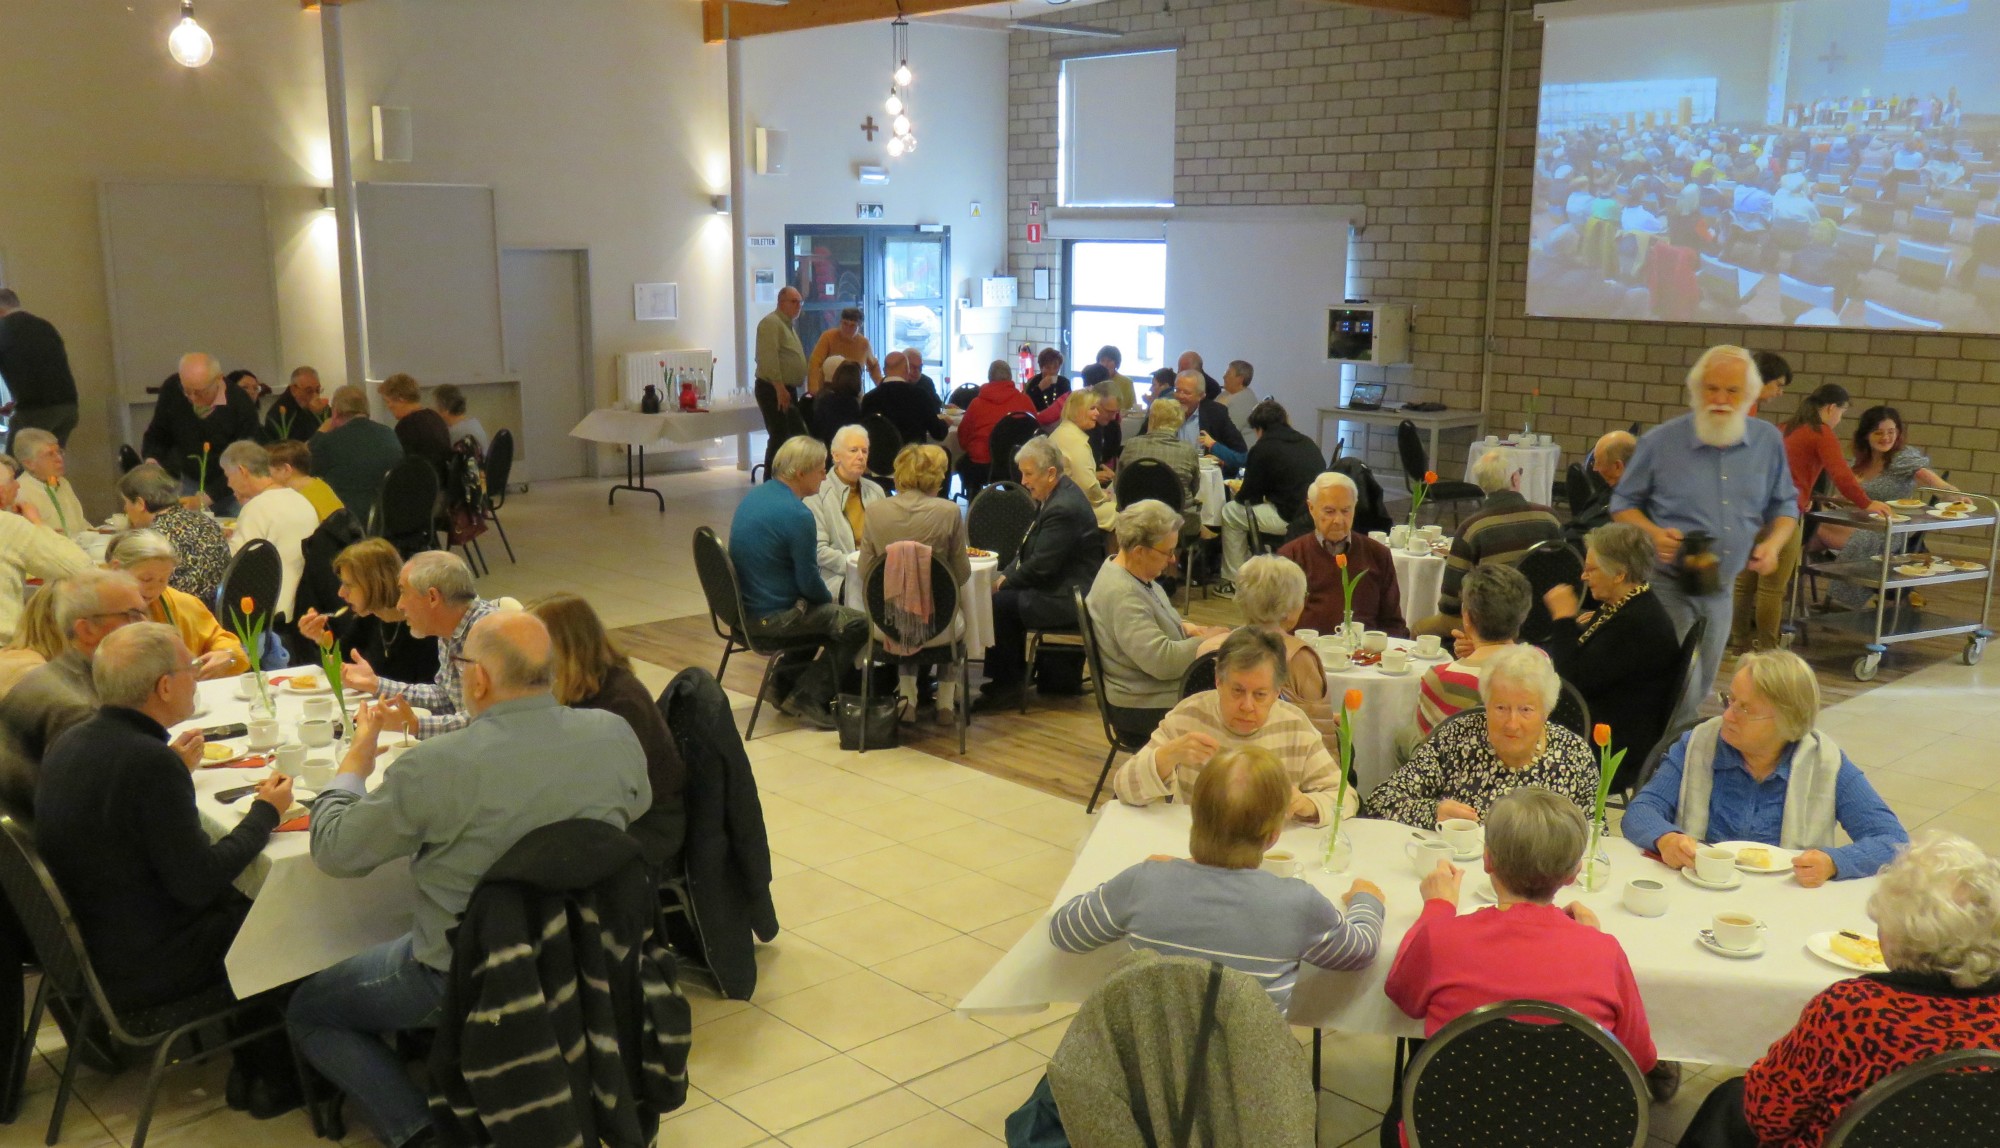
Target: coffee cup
{"points": [[1461, 833], [1714, 865], [1425, 854], [1281, 862], [1491, 440], [1736, 931], [1417, 545], [263, 733], [1334, 657], [246, 685], [1428, 645], [1399, 534], [319, 708], [290, 759], [1646, 897], [1307, 636], [1374, 641], [1395, 661], [317, 774], [316, 732], [1431, 533]]}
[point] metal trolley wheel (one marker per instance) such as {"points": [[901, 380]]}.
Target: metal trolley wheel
{"points": [[1866, 665], [1975, 648]]}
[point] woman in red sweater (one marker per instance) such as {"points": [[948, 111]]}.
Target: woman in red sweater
{"points": [[1522, 947], [1000, 396], [1937, 912], [1812, 449]]}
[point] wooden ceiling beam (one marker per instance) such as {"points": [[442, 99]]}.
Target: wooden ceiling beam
{"points": [[747, 20]]}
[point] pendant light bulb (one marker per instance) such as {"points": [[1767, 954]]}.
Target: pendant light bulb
{"points": [[901, 125], [909, 142], [895, 146], [894, 104], [903, 76], [189, 43]]}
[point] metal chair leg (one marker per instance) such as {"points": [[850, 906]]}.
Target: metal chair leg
{"points": [[867, 686], [494, 516], [86, 1013], [1316, 1039], [964, 696], [152, 1093], [1091, 807], [770, 664], [1033, 645]]}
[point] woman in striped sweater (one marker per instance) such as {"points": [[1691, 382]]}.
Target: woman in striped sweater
{"points": [[1494, 600]]}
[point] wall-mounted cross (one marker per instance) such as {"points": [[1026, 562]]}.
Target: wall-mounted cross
{"points": [[869, 128], [1834, 57]]}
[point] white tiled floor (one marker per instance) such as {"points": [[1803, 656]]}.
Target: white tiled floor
{"points": [[901, 877]]}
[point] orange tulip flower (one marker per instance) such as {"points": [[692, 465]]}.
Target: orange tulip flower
{"points": [[1352, 700], [1430, 476], [204, 448], [1601, 734], [1340, 560], [248, 604]]}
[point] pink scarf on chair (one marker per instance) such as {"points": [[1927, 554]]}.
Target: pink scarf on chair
{"points": [[906, 592]]}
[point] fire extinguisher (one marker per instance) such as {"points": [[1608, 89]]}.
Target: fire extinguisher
{"points": [[1027, 363]]}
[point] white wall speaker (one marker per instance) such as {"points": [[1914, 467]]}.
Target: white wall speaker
{"points": [[392, 135], [773, 147]]}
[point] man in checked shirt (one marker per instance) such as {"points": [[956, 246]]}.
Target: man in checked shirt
{"points": [[436, 597], [1221, 906]]}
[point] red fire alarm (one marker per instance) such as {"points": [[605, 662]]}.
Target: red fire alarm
{"points": [[1034, 233]]}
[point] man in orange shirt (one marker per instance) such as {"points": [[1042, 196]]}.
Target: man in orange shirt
{"points": [[846, 341]]}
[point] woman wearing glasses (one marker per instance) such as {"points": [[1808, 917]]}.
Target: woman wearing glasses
{"points": [[1761, 772], [1145, 645]]}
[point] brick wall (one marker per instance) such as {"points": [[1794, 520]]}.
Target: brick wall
{"points": [[1309, 102]]}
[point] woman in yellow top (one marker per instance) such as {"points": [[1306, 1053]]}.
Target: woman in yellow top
{"points": [[292, 465], [150, 559]]}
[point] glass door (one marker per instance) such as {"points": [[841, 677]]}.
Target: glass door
{"points": [[914, 278], [900, 278], [829, 267]]}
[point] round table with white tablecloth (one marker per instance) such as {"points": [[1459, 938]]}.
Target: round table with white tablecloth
{"points": [[1538, 465], [1388, 703], [301, 919], [975, 599], [1210, 493], [1419, 580]]}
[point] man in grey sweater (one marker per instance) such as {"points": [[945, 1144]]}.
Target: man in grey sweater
{"points": [[1221, 905]]}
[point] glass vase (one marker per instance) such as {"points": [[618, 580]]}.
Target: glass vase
{"points": [[1338, 853], [261, 705], [1596, 872]]}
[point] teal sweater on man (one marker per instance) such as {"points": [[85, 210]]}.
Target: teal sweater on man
{"points": [[775, 547]]}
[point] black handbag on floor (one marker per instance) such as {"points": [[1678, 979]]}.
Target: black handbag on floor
{"points": [[883, 725]]}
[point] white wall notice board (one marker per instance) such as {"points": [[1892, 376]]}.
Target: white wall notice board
{"points": [[1255, 284], [430, 281], [187, 267]]}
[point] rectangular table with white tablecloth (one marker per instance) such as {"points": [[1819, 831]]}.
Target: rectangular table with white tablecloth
{"points": [[636, 431], [301, 919], [1701, 1007]]}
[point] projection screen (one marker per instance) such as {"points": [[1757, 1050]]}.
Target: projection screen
{"points": [[1829, 163]]}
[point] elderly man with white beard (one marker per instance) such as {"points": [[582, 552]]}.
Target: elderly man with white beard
{"points": [[1716, 471]]}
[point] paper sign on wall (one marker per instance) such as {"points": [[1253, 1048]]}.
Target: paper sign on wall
{"points": [[652, 301]]}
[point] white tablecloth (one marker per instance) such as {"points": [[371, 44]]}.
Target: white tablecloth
{"points": [[975, 599], [1701, 1007], [1419, 580], [1210, 495], [1537, 464], [301, 920], [1388, 703]]}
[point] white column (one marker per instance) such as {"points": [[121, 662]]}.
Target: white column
{"points": [[354, 325]]}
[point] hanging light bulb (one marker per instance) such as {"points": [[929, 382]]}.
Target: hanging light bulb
{"points": [[900, 125], [896, 145], [189, 44], [894, 104], [902, 75], [909, 142]]}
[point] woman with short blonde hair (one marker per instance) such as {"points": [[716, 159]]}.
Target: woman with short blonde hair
{"points": [[1072, 437], [37, 641], [922, 467], [150, 559], [915, 513], [370, 624]]}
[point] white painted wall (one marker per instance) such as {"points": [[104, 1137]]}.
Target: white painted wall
{"points": [[820, 85]]}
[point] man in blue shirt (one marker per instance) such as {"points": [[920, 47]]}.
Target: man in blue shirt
{"points": [[1719, 472], [775, 547]]}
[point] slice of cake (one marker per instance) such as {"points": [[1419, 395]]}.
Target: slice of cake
{"points": [[1861, 950]]}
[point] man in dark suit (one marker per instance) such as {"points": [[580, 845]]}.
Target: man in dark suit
{"points": [[35, 366], [1206, 416], [911, 407], [1059, 555]]}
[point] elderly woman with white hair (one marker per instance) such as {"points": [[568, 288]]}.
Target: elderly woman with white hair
{"points": [[44, 488], [840, 507], [1142, 640], [272, 512], [1761, 772], [1480, 755], [151, 498], [150, 559], [1271, 594], [1622, 654], [1937, 916], [1072, 437]]}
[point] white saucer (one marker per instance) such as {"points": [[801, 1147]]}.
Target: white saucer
{"points": [[1474, 854], [1389, 673], [1706, 940], [1821, 945], [1735, 879], [1440, 656], [1482, 890]]}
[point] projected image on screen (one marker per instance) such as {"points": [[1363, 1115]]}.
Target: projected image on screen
{"points": [[1831, 163]]}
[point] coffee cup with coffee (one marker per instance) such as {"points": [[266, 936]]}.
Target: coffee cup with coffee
{"points": [[262, 732], [1736, 931], [1645, 897], [1282, 862], [1461, 833], [1428, 645], [1375, 641], [316, 732], [1425, 854], [1714, 865], [321, 708]]}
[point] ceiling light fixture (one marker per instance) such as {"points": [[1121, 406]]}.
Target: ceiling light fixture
{"points": [[189, 44], [901, 142]]}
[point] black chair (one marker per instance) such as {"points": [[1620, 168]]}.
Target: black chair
{"points": [[1951, 1100], [1523, 1072], [1148, 478], [944, 611], [1572, 712], [127, 458], [499, 467], [68, 977], [725, 609], [255, 572], [1547, 563], [406, 510], [1200, 676], [999, 519], [1008, 435], [962, 396], [1094, 659], [1579, 491], [1416, 462], [1690, 661], [1651, 765], [884, 440], [1371, 509]]}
